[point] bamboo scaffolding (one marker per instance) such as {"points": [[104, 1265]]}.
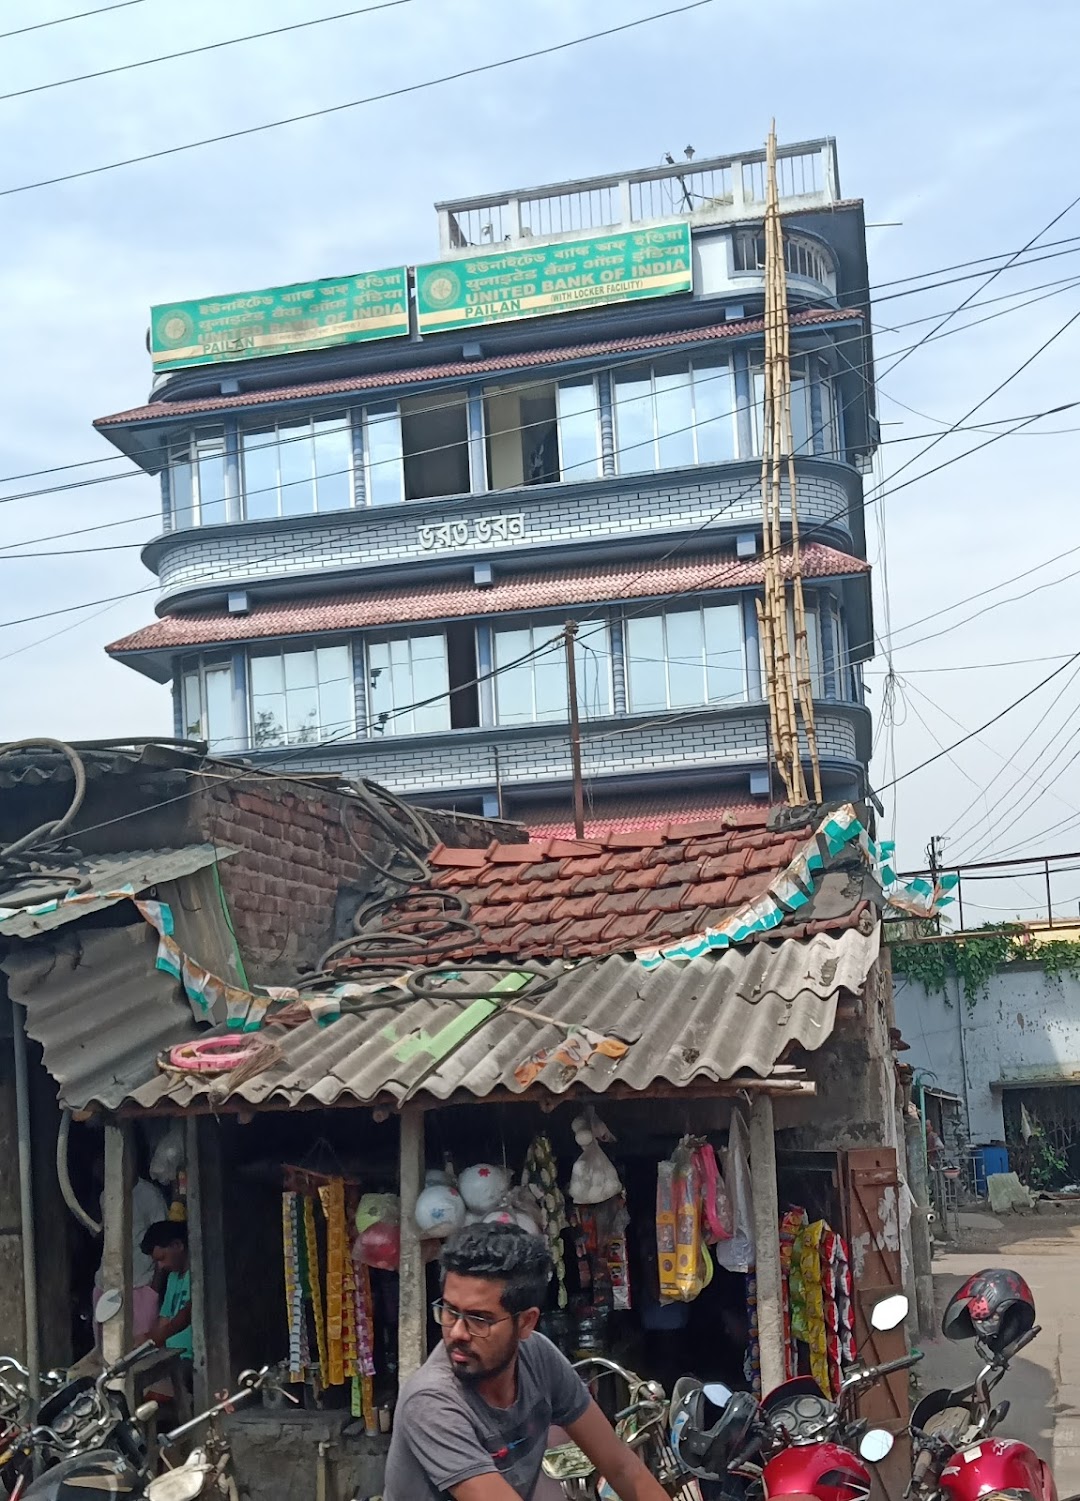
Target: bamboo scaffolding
{"points": [[789, 690]]}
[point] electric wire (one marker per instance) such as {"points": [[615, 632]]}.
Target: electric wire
{"points": [[62, 20], [332, 109]]}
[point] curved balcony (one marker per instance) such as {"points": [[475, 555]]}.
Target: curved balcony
{"points": [[532, 758], [522, 527]]}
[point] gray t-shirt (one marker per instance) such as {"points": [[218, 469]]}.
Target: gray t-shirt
{"points": [[444, 1431]]}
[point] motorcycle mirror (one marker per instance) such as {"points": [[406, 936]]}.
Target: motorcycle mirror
{"points": [[717, 1393], [108, 1305], [876, 1444], [890, 1313]]}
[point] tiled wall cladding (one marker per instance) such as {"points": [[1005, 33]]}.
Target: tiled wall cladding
{"points": [[438, 763], [509, 523]]}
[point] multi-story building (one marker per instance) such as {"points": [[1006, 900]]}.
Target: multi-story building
{"points": [[383, 496]]}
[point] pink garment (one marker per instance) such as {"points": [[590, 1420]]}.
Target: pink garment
{"points": [[145, 1306]]}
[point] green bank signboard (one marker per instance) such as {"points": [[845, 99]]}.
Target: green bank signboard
{"points": [[558, 278], [281, 320]]}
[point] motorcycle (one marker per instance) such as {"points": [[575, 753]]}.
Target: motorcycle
{"points": [[796, 1442], [956, 1456], [642, 1424]]}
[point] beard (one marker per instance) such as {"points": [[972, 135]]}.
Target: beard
{"points": [[470, 1374]]}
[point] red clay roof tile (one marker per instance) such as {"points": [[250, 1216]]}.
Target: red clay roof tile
{"points": [[161, 411]]}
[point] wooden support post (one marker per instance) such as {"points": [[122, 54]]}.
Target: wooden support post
{"points": [[206, 1258], [116, 1335], [412, 1281], [770, 1282]]}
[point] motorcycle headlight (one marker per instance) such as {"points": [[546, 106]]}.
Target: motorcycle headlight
{"points": [[183, 1484]]}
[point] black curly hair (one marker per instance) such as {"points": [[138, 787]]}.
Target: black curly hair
{"points": [[501, 1253]]}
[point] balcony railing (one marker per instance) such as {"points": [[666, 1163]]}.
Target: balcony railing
{"points": [[719, 189]]}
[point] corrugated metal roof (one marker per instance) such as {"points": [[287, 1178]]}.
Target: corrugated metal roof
{"points": [[35, 765], [703, 1021], [105, 874]]}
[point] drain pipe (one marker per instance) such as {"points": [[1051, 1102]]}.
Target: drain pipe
{"points": [[26, 1204]]}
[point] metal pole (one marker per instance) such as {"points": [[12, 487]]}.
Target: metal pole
{"points": [[1049, 900], [26, 1205], [960, 896], [575, 729]]}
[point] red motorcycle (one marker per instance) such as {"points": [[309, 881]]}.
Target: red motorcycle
{"points": [[956, 1457], [795, 1443]]}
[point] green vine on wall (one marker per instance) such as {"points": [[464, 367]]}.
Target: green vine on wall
{"points": [[978, 955]]}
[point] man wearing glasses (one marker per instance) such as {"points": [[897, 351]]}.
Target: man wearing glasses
{"points": [[473, 1422]]}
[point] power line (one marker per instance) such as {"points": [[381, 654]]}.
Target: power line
{"points": [[332, 109], [61, 20], [167, 57], [972, 734]]}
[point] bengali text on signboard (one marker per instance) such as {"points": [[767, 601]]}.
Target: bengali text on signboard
{"points": [[557, 278], [281, 320]]}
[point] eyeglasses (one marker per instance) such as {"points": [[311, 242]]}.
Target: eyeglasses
{"points": [[478, 1324]]}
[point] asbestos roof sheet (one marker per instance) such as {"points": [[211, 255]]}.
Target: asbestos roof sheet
{"points": [[455, 600], [706, 1021], [99, 1009], [104, 875], [162, 411]]}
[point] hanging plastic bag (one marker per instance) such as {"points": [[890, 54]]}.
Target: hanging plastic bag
{"points": [[715, 1206], [593, 1178], [739, 1253], [683, 1265]]}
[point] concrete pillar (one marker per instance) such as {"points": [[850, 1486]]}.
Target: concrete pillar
{"points": [[412, 1281], [116, 1335], [920, 1227], [770, 1282]]}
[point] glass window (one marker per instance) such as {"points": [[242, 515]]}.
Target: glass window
{"points": [[673, 414], [530, 663], [301, 697], [296, 468], [383, 466], [208, 705], [404, 673], [579, 430], [685, 657], [804, 438], [197, 479]]}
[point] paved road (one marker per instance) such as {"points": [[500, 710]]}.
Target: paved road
{"points": [[1043, 1385]]}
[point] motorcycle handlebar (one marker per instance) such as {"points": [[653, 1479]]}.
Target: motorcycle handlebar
{"points": [[124, 1364], [903, 1364]]}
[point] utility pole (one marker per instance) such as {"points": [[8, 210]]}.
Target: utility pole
{"points": [[569, 634], [934, 854]]}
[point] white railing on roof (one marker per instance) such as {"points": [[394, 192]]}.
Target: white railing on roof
{"points": [[722, 188]]}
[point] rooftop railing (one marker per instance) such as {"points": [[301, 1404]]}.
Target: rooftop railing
{"points": [[714, 190]]}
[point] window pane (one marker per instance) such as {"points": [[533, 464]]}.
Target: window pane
{"points": [[299, 670], [260, 474], [382, 450], [267, 674], [211, 454], [725, 674], [296, 460], [714, 413], [827, 439], [634, 423], [593, 656], [685, 656], [429, 681], [579, 430], [302, 710], [801, 427], [333, 463], [337, 705], [220, 731], [674, 419], [645, 651], [191, 705], [182, 489], [549, 674], [513, 685], [403, 672], [757, 402]]}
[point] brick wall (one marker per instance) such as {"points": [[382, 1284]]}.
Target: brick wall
{"points": [[432, 764], [357, 544], [292, 856]]}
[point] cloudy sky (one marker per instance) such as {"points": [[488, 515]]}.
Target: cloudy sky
{"points": [[955, 123]]}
